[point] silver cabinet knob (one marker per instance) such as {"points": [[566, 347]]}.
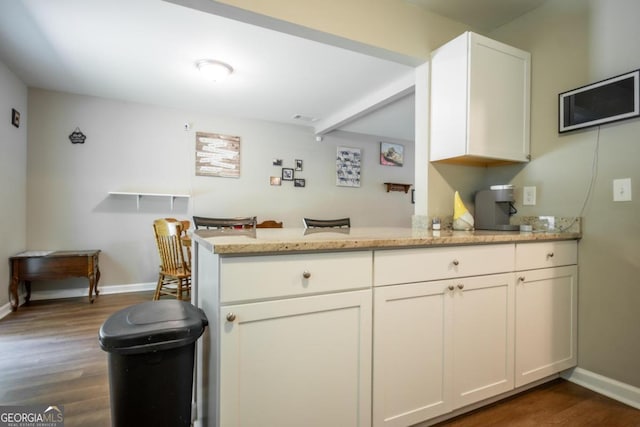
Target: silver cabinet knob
{"points": [[521, 278], [306, 274], [460, 286], [231, 317], [451, 287], [550, 255], [456, 262]]}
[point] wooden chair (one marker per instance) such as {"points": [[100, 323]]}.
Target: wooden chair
{"points": [[269, 224], [326, 223], [184, 236], [240, 222], [174, 277]]}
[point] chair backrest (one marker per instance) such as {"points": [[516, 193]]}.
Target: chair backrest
{"points": [[186, 224], [168, 235], [242, 222], [326, 223], [269, 223]]}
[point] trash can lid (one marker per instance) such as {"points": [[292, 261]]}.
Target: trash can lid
{"points": [[152, 326]]}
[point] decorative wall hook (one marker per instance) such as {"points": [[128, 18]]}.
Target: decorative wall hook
{"points": [[77, 137]]}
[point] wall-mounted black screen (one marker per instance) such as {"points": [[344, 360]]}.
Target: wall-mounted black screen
{"points": [[603, 102]]}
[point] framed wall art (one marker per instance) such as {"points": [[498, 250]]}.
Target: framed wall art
{"points": [[217, 155], [391, 154], [348, 163]]}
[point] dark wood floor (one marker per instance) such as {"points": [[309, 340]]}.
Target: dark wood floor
{"points": [[557, 403], [49, 354]]}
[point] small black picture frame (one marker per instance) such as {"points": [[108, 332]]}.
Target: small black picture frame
{"points": [[15, 117], [287, 174], [298, 165], [299, 182]]}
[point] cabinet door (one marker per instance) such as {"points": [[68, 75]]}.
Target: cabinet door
{"points": [[297, 362], [483, 337], [498, 100], [412, 346], [546, 322]]}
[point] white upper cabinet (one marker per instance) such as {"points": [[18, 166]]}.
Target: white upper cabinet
{"points": [[480, 94]]}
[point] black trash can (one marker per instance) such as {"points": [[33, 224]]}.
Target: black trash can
{"points": [[151, 350]]}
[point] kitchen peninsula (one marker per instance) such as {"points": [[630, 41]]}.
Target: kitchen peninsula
{"points": [[377, 326]]}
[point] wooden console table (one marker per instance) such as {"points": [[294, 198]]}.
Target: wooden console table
{"points": [[52, 265]]}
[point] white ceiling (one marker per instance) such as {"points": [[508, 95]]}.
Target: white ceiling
{"points": [[145, 51]]}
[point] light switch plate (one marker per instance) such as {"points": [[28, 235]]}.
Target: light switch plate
{"points": [[528, 196], [622, 190]]}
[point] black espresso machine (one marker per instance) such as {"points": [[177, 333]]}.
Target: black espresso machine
{"points": [[494, 207]]}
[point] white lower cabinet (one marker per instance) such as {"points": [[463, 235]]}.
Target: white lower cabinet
{"points": [[546, 310], [385, 338], [297, 362], [289, 342], [441, 345]]}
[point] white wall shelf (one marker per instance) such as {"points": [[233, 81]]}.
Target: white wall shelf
{"points": [[139, 196]]}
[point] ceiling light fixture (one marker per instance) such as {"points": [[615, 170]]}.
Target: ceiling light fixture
{"points": [[214, 70]]}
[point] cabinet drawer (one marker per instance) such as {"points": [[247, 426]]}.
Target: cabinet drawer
{"points": [[417, 265], [275, 276], [530, 256]]}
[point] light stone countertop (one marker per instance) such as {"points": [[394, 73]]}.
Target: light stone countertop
{"points": [[290, 240]]}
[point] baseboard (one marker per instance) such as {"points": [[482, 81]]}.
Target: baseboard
{"points": [[80, 292], [4, 310], [614, 389]]}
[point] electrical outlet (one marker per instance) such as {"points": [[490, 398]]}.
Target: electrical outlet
{"points": [[622, 190], [528, 196]]}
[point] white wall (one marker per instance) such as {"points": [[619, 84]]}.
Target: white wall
{"points": [[13, 176], [132, 147]]}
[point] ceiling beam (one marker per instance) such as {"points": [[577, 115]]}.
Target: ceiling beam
{"points": [[366, 105]]}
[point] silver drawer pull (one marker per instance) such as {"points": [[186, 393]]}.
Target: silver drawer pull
{"points": [[456, 262], [306, 274], [521, 278], [231, 317], [451, 287], [550, 255], [460, 286]]}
